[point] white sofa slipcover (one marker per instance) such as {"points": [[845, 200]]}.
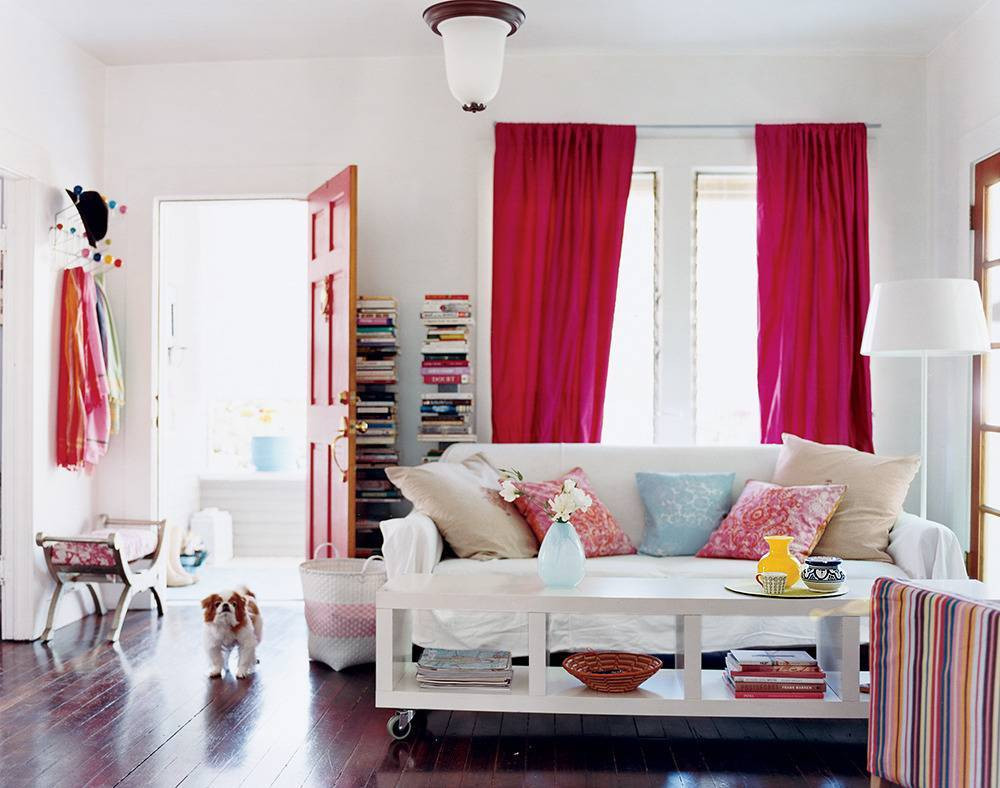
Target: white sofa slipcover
{"points": [[919, 548]]}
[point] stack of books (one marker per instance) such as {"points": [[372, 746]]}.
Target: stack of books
{"points": [[466, 669], [446, 319], [376, 405], [376, 340], [774, 674], [446, 417]]}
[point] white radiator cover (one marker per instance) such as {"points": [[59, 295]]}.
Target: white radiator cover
{"points": [[268, 510]]}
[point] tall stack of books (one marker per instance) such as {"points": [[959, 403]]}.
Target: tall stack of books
{"points": [[376, 372], [466, 669], [774, 674], [446, 320], [446, 416]]}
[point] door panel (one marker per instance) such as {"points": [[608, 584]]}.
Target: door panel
{"points": [[330, 416]]}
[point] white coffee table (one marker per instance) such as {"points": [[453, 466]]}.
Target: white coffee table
{"points": [[685, 690]]}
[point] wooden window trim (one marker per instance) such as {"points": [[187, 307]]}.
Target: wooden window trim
{"points": [[986, 173]]}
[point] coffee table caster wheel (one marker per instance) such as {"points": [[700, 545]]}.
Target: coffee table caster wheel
{"points": [[400, 724]]}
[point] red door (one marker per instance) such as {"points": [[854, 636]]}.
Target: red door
{"points": [[330, 420]]}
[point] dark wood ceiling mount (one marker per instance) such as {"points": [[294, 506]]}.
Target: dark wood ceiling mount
{"points": [[440, 12]]}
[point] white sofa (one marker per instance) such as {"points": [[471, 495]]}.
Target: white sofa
{"points": [[920, 549]]}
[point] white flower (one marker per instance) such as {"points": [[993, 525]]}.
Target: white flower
{"points": [[509, 491], [566, 503]]}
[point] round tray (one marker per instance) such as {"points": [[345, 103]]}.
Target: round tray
{"points": [[752, 588], [612, 671]]}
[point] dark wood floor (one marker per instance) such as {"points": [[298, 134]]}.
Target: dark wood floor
{"points": [[81, 713]]}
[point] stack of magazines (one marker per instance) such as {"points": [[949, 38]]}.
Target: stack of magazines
{"points": [[774, 674], [471, 669]]}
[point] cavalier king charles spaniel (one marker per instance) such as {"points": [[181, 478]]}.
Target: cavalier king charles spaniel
{"points": [[232, 621]]}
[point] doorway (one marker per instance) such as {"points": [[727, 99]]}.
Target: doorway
{"points": [[231, 407]]}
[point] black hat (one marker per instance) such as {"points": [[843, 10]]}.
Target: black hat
{"points": [[93, 213]]}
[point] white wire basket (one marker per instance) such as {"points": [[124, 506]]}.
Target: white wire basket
{"points": [[339, 596]]}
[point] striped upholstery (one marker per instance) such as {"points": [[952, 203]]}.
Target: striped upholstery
{"points": [[934, 718]]}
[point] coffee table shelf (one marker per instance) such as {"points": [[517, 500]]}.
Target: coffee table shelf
{"points": [[661, 695]]}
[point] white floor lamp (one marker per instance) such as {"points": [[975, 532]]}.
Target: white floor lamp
{"points": [[925, 317]]}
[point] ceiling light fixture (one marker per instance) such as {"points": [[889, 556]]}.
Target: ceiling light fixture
{"points": [[474, 34]]}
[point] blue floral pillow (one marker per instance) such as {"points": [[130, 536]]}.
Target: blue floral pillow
{"points": [[682, 509]]}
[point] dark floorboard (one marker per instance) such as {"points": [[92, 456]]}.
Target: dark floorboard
{"points": [[82, 713]]}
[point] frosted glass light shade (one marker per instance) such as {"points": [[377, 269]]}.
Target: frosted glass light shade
{"points": [[473, 58], [933, 317]]}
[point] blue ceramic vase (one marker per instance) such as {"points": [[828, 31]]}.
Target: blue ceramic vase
{"points": [[561, 560]]}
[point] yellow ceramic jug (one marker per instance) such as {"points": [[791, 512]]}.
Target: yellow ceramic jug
{"points": [[779, 559]]}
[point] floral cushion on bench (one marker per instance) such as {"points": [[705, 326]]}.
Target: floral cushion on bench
{"points": [[135, 543]]}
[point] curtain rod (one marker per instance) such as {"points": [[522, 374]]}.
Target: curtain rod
{"points": [[735, 126]]}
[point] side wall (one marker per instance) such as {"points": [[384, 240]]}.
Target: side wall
{"points": [[51, 135], [963, 98]]}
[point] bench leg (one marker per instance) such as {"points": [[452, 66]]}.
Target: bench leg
{"points": [[95, 594], [123, 602], [53, 605], [158, 599]]}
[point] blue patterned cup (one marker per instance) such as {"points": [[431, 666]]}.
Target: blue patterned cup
{"points": [[823, 573]]}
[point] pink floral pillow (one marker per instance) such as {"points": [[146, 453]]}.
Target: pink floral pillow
{"points": [[597, 528], [766, 509]]}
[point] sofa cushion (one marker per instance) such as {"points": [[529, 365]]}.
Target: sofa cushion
{"points": [[766, 509], [462, 500], [682, 509], [597, 528], [876, 488]]}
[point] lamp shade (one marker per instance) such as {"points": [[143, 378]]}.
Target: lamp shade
{"points": [[473, 57], [932, 317]]}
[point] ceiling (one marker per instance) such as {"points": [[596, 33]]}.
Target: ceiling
{"points": [[127, 32]]}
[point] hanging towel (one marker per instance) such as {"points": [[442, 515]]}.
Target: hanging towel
{"points": [[112, 357], [98, 422], [83, 417], [71, 412]]}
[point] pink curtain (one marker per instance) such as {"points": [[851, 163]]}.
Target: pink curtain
{"points": [[812, 261], [559, 194]]}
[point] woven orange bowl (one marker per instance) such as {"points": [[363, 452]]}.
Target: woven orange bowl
{"points": [[612, 671]]}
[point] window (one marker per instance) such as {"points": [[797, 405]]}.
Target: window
{"points": [[727, 411], [984, 555], [631, 391]]}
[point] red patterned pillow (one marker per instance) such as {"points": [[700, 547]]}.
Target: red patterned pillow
{"points": [[766, 509], [597, 528]]}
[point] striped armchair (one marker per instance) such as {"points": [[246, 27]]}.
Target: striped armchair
{"points": [[934, 716]]}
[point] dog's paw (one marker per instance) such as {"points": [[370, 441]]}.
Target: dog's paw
{"points": [[215, 673], [244, 672]]}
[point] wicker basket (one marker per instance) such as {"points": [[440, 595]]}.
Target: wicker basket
{"points": [[612, 671]]}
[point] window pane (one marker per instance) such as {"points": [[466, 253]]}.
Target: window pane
{"points": [[992, 292], [628, 399], [991, 548], [990, 484], [993, 221], [991, 387], [727, 411]]}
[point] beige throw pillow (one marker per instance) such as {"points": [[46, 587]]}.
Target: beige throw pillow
{"points": [[876, 487], [462, 499]]}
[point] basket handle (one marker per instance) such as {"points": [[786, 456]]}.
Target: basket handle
{"points": [[364, 567], [331, 545]]}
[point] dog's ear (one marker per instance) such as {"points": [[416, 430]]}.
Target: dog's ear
{"points": [[208, 606], [248, 592], [239, 604]]}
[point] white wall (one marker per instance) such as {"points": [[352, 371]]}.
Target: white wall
{"points": [[282, 127], [51, 133], [963, 98]]}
